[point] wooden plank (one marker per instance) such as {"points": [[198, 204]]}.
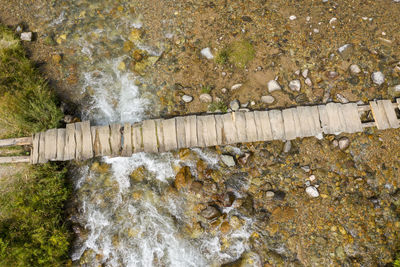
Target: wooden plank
{"points": [[336, 125], [50, 148], [42, 144], [219, 128], [15, 159], [306, 124], [209, 131], [137, 139], [230, 132], [35, 149], [390, 113], [297, 122], [169, 131], [191, 131], [379, 115], [352, 119], [160, 135], [60, 144], [277, 128], [127, 140], [78, 140], [263, 123], [315, 122], [22, 141], [115, 139], [69, 151], [149, 136], [180, 132], [104, 140], [251, 128], [95, 141], [324, 119], [87, 145], [200, 137], [288, 123], [240, 125]]}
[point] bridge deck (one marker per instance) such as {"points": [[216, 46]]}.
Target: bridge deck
{"points": [[80, 141]]}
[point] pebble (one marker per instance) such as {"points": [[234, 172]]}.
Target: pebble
{"points": [[396, 88], [26, 36], [305, 73], [378, 77], [267, 99], [287, 146], [312, 191], [292, 17], [206, 52], [312, 177], [273, 86], [234, 105], [245, 105], [269, 194], [344, 47], [206, 98], [187, 98], [224, 90], [295, 85], [344, 143], [228, 160], [210, 212], [297, 72], [236, 86], [354, 69], [223, 74], [342, 99], [252, 103], [308, 82], [306, 168]]}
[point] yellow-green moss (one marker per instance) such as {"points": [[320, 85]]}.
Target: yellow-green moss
{"points": [[238, 53]]}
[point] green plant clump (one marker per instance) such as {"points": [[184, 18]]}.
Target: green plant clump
{"points": [[238, 53], [27, 105], [32, 232], [206, 89], [215, 106]]}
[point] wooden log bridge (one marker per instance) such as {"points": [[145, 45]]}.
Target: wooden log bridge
{"points": [[80, 141]]}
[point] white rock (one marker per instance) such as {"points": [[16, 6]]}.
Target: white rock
{"points": [[312, 191], [236, 86], [332, 20], [187, 98], [223, 74], [304, 73], [234, 105], [206, 98], [292, 17], [245, 105], [378, 77], [273, 86], [312, 177], [306, 168], [342, 99], [308, 82], [26, 36], [354, 69], [252, 103], [269, 194], [397, 87], [224, 90], [297, 72], [228, 160], [206, 52], [287, 146], [343, 48], [344, 143], [295, 85], [267, 99]]}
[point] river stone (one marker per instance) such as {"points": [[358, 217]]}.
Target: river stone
{"points": [[228, 200], [344, 143], [234, 105], [228, 160], [182, 178], [267, 99], [236, 86], [295, 85], [354, 69], [26, 36], [312, 191], [273, 86], [269, 194], [206, 98], [187, 98], [206, 52], [304, 73], [378, 77], [210, 213], [287, 146], [308, 82]]}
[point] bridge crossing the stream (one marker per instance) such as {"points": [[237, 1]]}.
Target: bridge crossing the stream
{"points": [[81, 141]]}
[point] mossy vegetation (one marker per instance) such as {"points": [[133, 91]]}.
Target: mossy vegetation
{"points": [[32, 220], [206, 89], [218, 106], [27, 105], [238, 53]]}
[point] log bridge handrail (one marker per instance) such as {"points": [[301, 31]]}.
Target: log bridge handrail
{"points": [[81, 141]]}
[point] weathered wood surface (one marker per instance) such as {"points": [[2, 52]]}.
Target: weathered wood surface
{"points": [[82, 141], [15, 159], [22, 141]]}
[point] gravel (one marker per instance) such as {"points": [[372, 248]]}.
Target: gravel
{"points": [[273, 86], [378, 77], [312, 191]]}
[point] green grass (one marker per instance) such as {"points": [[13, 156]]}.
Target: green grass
{"points": [[238, 53], [33, 231], [206, 89], [214, 106], [27, 105]]}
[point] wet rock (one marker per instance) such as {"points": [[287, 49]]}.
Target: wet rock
{"points": [[210, 213], [269, 194], [394, 91], [101, 168], [228, 199], [343, 143], [206, 52], [139, 174], [287, 146], [243, 159], [135, 35], [354, 69], [267, 99], [225, 227], [378, 77], [342, 99], [26, 36], [304, 73], [236, 86], [273, 86], [346, 50], [308, 82], [206, 98], [248, 259], [234, 105], [312, 191], [332, 75], [182, 178], [301, 99], [306, 168], [196, 187], [68, 119], [56, 58], [121, 66], [295, 85], [187, 98], [279, 195], [228, 160]]}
